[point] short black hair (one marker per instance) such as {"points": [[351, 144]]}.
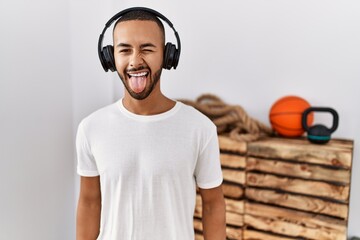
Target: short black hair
{"points": [[141, 15]]}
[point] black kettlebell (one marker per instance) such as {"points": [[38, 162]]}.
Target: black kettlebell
{"points": [[319, 133]]}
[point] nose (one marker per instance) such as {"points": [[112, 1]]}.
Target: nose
{"points": [[136, 59]]}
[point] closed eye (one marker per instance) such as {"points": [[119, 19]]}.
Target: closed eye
{"points": [[147, 47]]}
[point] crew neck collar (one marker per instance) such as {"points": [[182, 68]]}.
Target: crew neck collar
{"points": [[145, 118]]}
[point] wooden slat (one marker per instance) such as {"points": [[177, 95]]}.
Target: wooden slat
{"points": [[229, 145], [232, 190], [198, 211], [308, 187], [198, 207], [333, 143], [302, 151], [234, 206], [293, 223], [341, 143], [299, 202], [298, 170], [234, 233], [256, 235], [232, 161], [234, 176], [234, 219], [198, 224], [198, 236], [284, 227]]}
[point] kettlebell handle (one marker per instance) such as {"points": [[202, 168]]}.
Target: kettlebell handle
{"points": [[320, 109]]}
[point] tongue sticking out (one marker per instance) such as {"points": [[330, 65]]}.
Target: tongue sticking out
{"points": [[138, 84]]}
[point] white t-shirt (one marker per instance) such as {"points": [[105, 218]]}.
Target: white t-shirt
{"points": [[149, 167]]}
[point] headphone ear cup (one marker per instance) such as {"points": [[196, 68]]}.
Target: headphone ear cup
{"points": [[176, 58], [107, 59], [169, 56]]}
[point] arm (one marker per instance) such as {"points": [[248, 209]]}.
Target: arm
{"points": [[213, 218], [89, 208]]}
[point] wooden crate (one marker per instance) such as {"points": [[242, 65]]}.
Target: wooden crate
{"points": [[278, 188]]}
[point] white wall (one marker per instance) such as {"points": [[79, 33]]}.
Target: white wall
{"points": [[36, 138], [91, 87]]}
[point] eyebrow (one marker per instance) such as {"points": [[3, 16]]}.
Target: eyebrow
{"points": [[123, 45], [147, 45], [126, 45]]}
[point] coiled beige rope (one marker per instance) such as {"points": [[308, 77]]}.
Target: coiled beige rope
{"points": [[231, 120]]}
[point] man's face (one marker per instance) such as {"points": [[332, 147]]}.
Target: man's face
{"points": [[138, 53]]}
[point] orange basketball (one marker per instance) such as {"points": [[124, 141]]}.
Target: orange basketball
{"points": [[286, 113]]}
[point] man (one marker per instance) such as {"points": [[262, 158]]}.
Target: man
{"points": [[141, 157]]}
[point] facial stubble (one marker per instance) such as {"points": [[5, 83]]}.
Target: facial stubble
{"points": [[146, 92]]}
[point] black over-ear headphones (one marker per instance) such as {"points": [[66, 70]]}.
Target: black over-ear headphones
{"points": [[171, 53]]}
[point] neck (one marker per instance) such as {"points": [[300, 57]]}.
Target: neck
{"points": [[155, 103]]}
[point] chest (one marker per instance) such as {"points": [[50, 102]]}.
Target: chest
{"points": [[148, 153]]}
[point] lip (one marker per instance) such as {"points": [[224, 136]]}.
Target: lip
{"points": [[137, 72]]}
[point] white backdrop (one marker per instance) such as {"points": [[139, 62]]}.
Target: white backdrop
{"points": [[36, 135], [247, 52]]}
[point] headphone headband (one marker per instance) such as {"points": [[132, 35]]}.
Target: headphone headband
{"points": [[174, 58]]}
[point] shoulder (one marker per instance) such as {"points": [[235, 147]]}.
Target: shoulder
{"points": [[99, 116], [195, 117]]}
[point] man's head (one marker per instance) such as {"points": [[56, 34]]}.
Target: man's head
{"points": [[139, 40], [141, 15]]}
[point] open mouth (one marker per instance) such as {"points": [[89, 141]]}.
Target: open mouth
{"points": [[140, 74], [137, 81]]}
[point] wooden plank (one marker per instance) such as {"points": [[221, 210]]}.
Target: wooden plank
{"points": [[308, 187], [234, 233], [333, 143], [232, 161], [310, 204], [341, 143], [234, 176], [293, 223], [198, 224], [298, 170], [234, 219], [256, 235], [198, 236], [198, 211], [234, 210], [234, 206], [302, 151], [232, 190], [229, 145], [198, 207], [281, 226]]}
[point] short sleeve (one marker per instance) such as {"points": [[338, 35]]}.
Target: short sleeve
{"points": [[86, 165], [208, 172]]}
